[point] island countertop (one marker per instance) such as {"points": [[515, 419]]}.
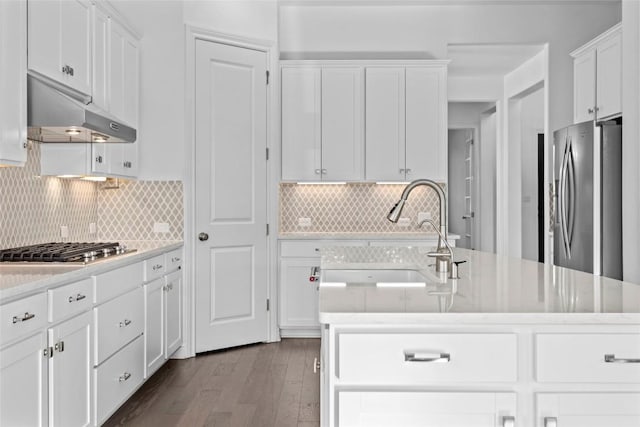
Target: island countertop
{"points": [[491, 289]]}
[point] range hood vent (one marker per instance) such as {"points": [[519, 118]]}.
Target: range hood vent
{"points": [[58, 114]]}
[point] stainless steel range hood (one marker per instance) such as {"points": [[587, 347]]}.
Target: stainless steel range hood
{"points": [[57, 114]]}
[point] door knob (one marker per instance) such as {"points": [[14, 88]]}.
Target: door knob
{"points": [[203, 237]]}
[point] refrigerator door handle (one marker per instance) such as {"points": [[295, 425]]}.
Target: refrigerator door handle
{"points": [[562, 214], [571, 173]]}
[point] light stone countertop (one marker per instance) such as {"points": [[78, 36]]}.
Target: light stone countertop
{"points": [[492, 289], [365, 236], [18, 281]]}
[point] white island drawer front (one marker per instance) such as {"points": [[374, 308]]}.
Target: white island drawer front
{"points": [[21, 317], [118, 322], [583, 358], [113, 283], [117, 378], [415, 358], [311, 248], [70, 299], [154, 267], [389, 408]]}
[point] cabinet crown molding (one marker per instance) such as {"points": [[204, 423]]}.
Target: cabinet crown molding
{"points": [[591, 44]]}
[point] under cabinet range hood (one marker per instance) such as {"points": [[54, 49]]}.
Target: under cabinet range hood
{"points": [[56, 114]]}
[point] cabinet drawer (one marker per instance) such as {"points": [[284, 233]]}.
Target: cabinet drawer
{"points": [[117, 379], [173, 260], [21, 317], [573, 358], [70, 299], [311, 248], [412, 358], [400, 408], [113, 283], [118, 322], [154, 268]]}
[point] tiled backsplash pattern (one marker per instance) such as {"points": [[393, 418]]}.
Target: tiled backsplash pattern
{"points": [[351, 208], [33, 208], [132, 209]]}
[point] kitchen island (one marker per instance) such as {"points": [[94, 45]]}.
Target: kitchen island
{"points": [[510, 343]]}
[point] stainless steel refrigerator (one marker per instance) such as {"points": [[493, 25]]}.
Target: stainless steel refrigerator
{"points": [[582, 176]]}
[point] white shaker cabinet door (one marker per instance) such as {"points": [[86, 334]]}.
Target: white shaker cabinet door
{"points": [[70, 372], [426, 123], [342, 124], [298, 296], [426, 409], [23, 383], [301, 124], [584, 87], [173, 313], [385, 123], [123, 66], [588, 410], [153, 326], [13, 84], [609, 76]]}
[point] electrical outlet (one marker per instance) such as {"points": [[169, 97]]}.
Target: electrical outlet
{"points": [[92, 228], [160, 227], [423, 216], [304, 222], [404, 222], [64, 232]]}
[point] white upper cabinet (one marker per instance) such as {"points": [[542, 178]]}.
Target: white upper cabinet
{"points": [[60, 41], [115, 66], [342, 122], [13, 83], [406, 122], [322, 122], [597, 76], [301, 124]]}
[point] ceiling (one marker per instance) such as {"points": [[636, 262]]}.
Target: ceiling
{"points": [[488, 59]]}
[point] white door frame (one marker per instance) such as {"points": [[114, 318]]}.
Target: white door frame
{"points": [[193, 33]]}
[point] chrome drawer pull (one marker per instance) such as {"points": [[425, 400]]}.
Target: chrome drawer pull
{"points": [[427, 357], [550, 422], [175, 259], [611, 358], [124, 377], [78, 297], [126, 322], [27, 316], [508, 421], [157, 267]]}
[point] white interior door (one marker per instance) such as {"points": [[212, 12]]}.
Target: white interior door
{"points": [[230, 188]]}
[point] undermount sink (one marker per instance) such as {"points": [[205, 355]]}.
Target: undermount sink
{"points": [[382, 277]]}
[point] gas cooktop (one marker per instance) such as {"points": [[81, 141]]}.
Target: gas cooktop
{"points": [[63, 252]]}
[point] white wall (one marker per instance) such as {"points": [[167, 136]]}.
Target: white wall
{"points": [[630, 138], [487, 173], [427, 29], [161, 124]]}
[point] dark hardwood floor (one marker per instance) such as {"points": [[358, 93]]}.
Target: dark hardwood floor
{"points": [[257, 385]]}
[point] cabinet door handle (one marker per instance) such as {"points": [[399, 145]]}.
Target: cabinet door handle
{"points": [[125, 322], [611, 358], [408, 171], [27, 316], [316, 365], [590, 110], [508, 421], [78, 297], [59, 346], [124, 377], [410, 356], [175, 259], [401, 170], [550, 422], [99, 159], [317, 171], [157, 267]]}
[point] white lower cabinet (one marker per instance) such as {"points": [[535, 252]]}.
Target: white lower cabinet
{"points": [[172, 313], [588, 410], [117, 378], [70, 372], [425, 409], [298, 296], [23, 383], [153, 326]]}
